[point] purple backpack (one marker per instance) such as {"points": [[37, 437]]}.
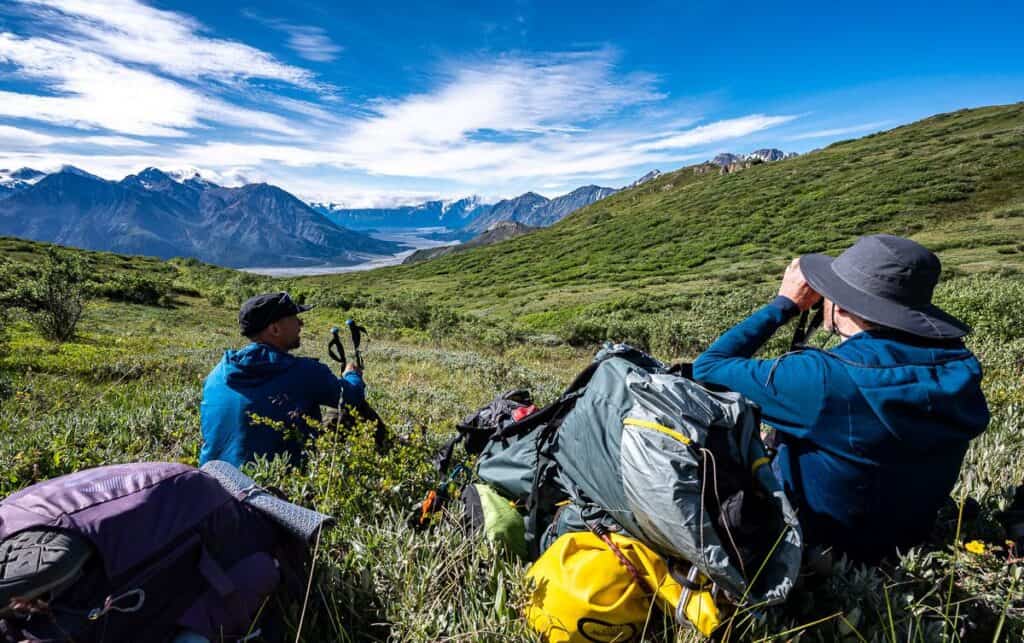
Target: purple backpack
{"points": [[171, 549]]}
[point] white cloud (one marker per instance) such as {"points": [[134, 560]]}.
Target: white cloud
{"points": [[838, 131], [93, 91], [312, 43], [715, 132], [108, 141], [121, 70], [555, 92], [130, 31], [309, 42], [18, 138]]}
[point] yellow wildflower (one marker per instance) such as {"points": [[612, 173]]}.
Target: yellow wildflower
{"points": [[975, 547]]}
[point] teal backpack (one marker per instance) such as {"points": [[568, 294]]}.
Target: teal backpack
{"points": [[637, 448]]}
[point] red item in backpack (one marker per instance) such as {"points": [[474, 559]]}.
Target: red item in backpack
{"points": [[522, 412]]}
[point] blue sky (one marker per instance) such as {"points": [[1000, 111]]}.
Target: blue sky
{"points": [[372, 103]]}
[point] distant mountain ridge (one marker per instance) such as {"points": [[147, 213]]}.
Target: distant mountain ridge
{"points": [[764, 155], [470, 214], [151, 213], [498, 232], [429, 214], [534, 210]]}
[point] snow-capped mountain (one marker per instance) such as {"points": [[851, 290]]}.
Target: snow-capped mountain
{"points": [[764, 155], [12, 181], [471, 214], [650, 176], [152, 213]]}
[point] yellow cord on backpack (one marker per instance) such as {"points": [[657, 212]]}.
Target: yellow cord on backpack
{"points": [[661, 428]]}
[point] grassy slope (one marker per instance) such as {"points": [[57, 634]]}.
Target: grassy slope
{"points": [[954, 181], [128, 387]]}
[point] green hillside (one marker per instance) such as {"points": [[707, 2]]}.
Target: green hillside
{"points": [[954, 182], [668, 266]]}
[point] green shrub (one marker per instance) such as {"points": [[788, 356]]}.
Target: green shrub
{"points": [[135, 289], [57, 297]]}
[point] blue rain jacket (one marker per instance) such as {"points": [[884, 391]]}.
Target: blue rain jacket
{"points": [[871, 433], [259, 383]]}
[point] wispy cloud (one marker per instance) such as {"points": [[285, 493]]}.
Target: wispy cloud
{"points": [[120, 85], [21, 139], [309, 42], [715, 132], [16, 138], [90, 91], [837, 131], [130, 31]]}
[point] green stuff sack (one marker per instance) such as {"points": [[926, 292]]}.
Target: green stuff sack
{"points": [[496, 517]]}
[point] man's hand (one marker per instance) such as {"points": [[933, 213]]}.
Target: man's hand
{"points": [[796, 289], [351, 367]]}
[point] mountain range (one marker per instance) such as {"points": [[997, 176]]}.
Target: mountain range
{"points": [[257, 225], [153, 213], [469, 215], [449, 214], [498, 232], [166, 215], [766, 155]]}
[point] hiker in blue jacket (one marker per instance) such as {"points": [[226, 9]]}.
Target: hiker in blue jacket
{"points": [[871, 434], [258, 400]]}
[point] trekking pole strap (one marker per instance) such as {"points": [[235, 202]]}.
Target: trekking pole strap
{"points": [[357, 337], [335, 348]]}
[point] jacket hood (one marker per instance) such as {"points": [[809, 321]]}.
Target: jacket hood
{"points": [[254, 364], [927, 393]]}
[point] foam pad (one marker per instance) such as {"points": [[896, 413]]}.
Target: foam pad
{"points": [[304, 523]]}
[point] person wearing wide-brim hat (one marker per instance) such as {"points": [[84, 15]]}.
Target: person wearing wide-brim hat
{"points": [[262, 401], [872, 433]]}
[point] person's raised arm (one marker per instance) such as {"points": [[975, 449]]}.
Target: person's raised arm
{"points": [[790, 390]]}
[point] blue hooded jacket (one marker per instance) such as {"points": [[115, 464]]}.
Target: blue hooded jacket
{"points": [[871, 433], [257, 400]]}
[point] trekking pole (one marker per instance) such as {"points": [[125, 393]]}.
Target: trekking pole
{"points": [[357, 336], [337, 353], [335, 348]]}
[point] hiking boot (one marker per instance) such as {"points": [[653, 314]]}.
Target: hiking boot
{"points": [[39, 561]]}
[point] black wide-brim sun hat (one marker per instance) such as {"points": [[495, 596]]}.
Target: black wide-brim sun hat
{"points": [[886, 280]]}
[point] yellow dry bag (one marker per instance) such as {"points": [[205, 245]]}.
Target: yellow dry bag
{"points": [[582, 592]]}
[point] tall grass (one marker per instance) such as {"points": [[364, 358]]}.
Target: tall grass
{"points": [[129, 387]]}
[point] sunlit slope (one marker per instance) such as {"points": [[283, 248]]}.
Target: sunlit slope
{"points": [[954, 181]]}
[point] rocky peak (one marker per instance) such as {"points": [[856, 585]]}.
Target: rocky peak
{"points": [[726, 158], [71, 169], [650, 176], [767, 155], [728, 162], [199, 183], [26, 174]]}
